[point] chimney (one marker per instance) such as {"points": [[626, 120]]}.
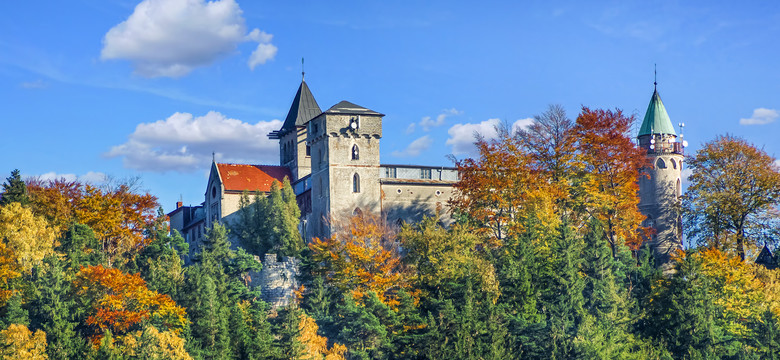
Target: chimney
{"points": [[178, 204]]}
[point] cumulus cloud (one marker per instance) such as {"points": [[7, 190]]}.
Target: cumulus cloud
{"points": [[428, 122], [416, 147], [185, 143], [521, 124], [173, 37], [462, 136], [91, 177], [761, 116]]}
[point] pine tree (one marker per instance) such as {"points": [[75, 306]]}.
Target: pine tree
{"points": [[52, 311], [14, 190]]}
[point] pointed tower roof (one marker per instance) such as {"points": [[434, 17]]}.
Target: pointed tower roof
{"points": [[303, 109], [656, 119]]}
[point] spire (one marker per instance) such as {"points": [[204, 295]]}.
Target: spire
{"points": [[303, 109], [656, 119]]}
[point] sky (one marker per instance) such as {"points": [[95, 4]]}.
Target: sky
{"points": [[153, 88]]}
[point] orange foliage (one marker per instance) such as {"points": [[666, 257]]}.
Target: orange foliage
{"points": [[496, 189], [120, 301], [117, 215], [362, 257], [315, 346], [611, 167], [9, 270]]}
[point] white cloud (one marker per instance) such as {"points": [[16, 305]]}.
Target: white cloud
{"points": [[410, 128], [91, 177], [427, 122], [462, 135], [173, 37], [185, 143], [416, 147], [521, 124], [761, 116]]}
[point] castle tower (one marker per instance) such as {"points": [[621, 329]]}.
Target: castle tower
{"points": [[344, 144], [659, 183], [294, 152]]}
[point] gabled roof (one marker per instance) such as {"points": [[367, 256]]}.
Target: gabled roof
{"points": [[303, 109], [348, 108], [243, 177], [656, 119]]}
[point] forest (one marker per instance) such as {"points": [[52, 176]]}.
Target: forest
{"points": [[546, 258]]}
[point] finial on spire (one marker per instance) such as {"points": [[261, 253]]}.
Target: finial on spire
{"points": [[213, 157], [655, 77], [303, 73]]}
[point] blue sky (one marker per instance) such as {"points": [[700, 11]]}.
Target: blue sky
{"points": [[151, 88]]}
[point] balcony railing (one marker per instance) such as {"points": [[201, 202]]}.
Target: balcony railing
{"points": [[666, 148]]}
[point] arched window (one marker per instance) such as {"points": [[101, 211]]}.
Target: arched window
{"points": [[356, 183], [674, 163], [357, 212], [660, 164], [355, 152]]}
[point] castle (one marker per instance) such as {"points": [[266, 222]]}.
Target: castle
{"points": [[332, 160]]}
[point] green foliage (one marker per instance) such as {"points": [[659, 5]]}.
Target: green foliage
{"points": [[14, 190], [270, 224]]}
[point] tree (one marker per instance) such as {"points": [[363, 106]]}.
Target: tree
{"points": [[270, 224], [120, 302], [14, 190], [732, 199], [360, 257], [17, 342], [152, 344], [315, 347], [611, 164], [29, 237], [550, 141], [9, 270]]}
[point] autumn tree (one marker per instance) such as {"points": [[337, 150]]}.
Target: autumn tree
{"points": [[9, 270], [610, 166], [315, 347], [362, 256], [498, 189], [153, 344], [28, 236], [732, 199], [14, 190], [17, 342], [120, 302]]}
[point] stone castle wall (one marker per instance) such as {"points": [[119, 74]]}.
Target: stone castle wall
{"points": [[277, 280]]}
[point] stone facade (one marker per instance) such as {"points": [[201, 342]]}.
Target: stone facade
{"points": [[277, 280]]}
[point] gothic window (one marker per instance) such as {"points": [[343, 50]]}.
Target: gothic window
{"points": [[425, 174], [356, 183], [355, 152], [660, 164], [674, 163]]}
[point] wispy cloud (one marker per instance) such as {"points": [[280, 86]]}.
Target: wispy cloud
{"points": [[37, 84], [761, 116], [428, 122], [173, 37], [416, 147], [184, 143], [91, 177]]}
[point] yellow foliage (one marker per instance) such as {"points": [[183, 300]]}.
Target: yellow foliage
{"points": [[362, 257], [154, 344], [30, 237], [315, 347], [17, 342], [9, 270]]}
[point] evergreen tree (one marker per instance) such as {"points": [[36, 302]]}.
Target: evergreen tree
{"points": [[14, 311], [52, 311], [287, 331], [81, 247], [14, 190]]}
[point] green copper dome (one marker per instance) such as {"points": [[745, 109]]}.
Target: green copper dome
{"points": [[656, 119]]}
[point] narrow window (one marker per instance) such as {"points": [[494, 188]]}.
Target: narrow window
{"points": [[308, 150], [356, 183], [390, 172], [679, 188], [674, 164], [425, 174], [355, 152]]}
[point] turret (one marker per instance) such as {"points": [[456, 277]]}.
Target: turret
{"points": [[660, 181]]}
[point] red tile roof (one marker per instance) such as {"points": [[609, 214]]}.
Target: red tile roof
{"points": [[240, 177]]}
